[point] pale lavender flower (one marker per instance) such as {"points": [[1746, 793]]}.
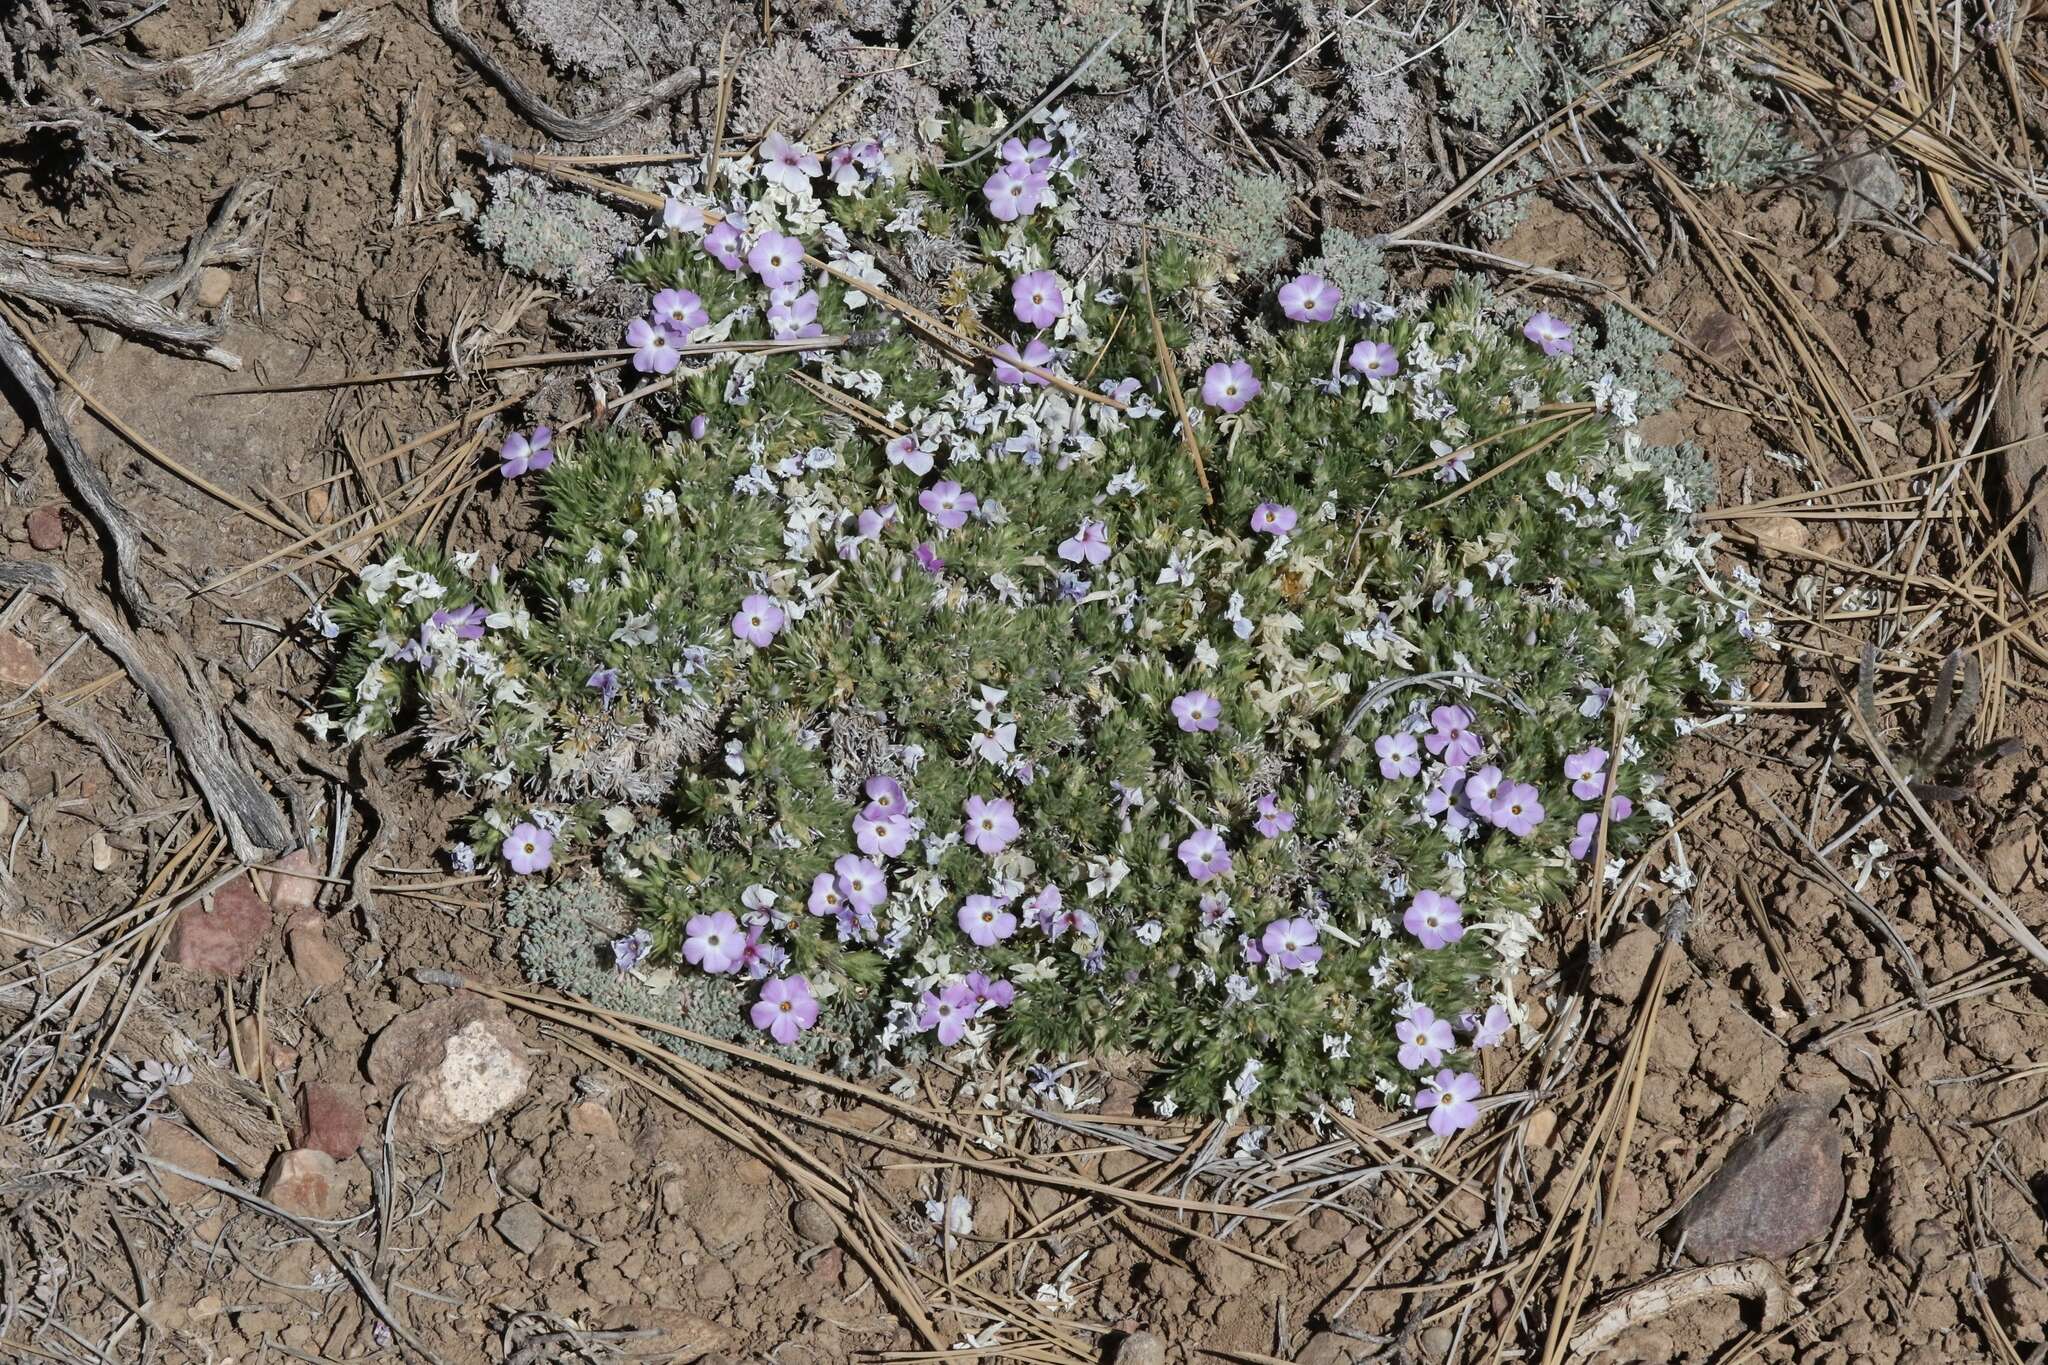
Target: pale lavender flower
{"points": [[1197, 711], [1399, 756], [825, 896], [758, 621], [1484, 790], [1449, 1098], [1291, 944], [1434, 919], [777, 259], [794, 315], [677, 216], [1310, 298], [722, 244], [1519, 810], [788, 164], [1035, 155], [1089, 545], [988, 994], [1037, 300], [881, 836], [1451, 735], [860, 881], [1204, 855], [985, 920], [653, 352], [1274, 518], [681, 312], [523, 454], [885, 796], [604, 682], [906, 451], [1274, 819], [529, 848], [714, 942], [1553, 336], [786, 1008], [630, 951], [928, 558], [1587, 770], [1229, 387], [947, 1011], [1375, 360], [1424, 1039], [991, 825], [1013, 192], [699, 425], [1491, 1031], [1008, 361], [948, 504], [1588, 830]]}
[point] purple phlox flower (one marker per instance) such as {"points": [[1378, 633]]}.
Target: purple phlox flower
{"points": [[1044, 910], [653, 352], [722, 244], [466, 622], [885, 796], [1424, 1039], [681, 311], [1443, 794], [788, 164], [699, 425], [1553, 336], [1621, 808], [1274, 819], [1589, 826], [630, 951], [758, 620], [1399, 755], [825, 898], [1035, 155], [860, 881], [855, 924], [529, 848], [1037, 300], [1215, 910], [1197, 711], [1375, 360], [1230, 386], [1449, 1098], [1519, 810], [1089, 545], [777, 259], [868, 526], [1484, 789], [714, 942], [786, 1008], [1491, 1031], [1014, 192], [1452, 736], [1291, 943], [985, 920], [1007, 363], [1310, 298], [760, 959], [905, 450], [947, 1011], [1249, 949], [795, 315], [990, 994], [677, 216], [991, 825], [522, 453], [881, 836], [1434, 919], [846, 164], [928, 558], [604, 682], [1204, 854], [1587, 770], [1274, 518], [948, 504]]}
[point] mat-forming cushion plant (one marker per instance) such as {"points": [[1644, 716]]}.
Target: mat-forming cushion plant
{"points": [[966, 696]]}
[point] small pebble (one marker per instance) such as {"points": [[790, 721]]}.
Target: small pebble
{"points": [[46, 529], [814, 1223]]}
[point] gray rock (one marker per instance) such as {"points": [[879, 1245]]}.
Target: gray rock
{"points": [[1777, 1191], [814, 1223], [1140, 1348], [522, 1226], [460, 1063]]}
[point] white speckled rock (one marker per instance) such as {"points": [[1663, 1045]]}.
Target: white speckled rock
{"points": [[461, 1063]]}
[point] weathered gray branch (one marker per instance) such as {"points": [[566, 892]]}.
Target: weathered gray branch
{"points": [[23, 276], [245, 64]]}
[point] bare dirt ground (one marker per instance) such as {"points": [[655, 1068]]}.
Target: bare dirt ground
{"points": [[1773, 948]]}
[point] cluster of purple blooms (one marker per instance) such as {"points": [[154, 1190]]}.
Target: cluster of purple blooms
{"points": [[1488, 794], [1023, 183], [1448, 1097]]}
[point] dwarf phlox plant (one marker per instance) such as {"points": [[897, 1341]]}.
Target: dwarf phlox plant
{"points": [[936, 701]]}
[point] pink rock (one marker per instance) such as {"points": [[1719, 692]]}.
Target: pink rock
{"points": [[293, 886], [19, 666], [46, 529], [220, 940], [304, 1182], [330, 1119], [314, 957], [180, 1147]]}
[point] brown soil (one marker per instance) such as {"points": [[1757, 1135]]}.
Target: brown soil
{"points": [[655, 1227]]}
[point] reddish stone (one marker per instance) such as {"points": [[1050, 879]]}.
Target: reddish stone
{"points": [[304, 1182], [46, 529], [330, 1119], [314, 957], [19, 666], [292, 886], [180, 1147], [220, 941]]}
